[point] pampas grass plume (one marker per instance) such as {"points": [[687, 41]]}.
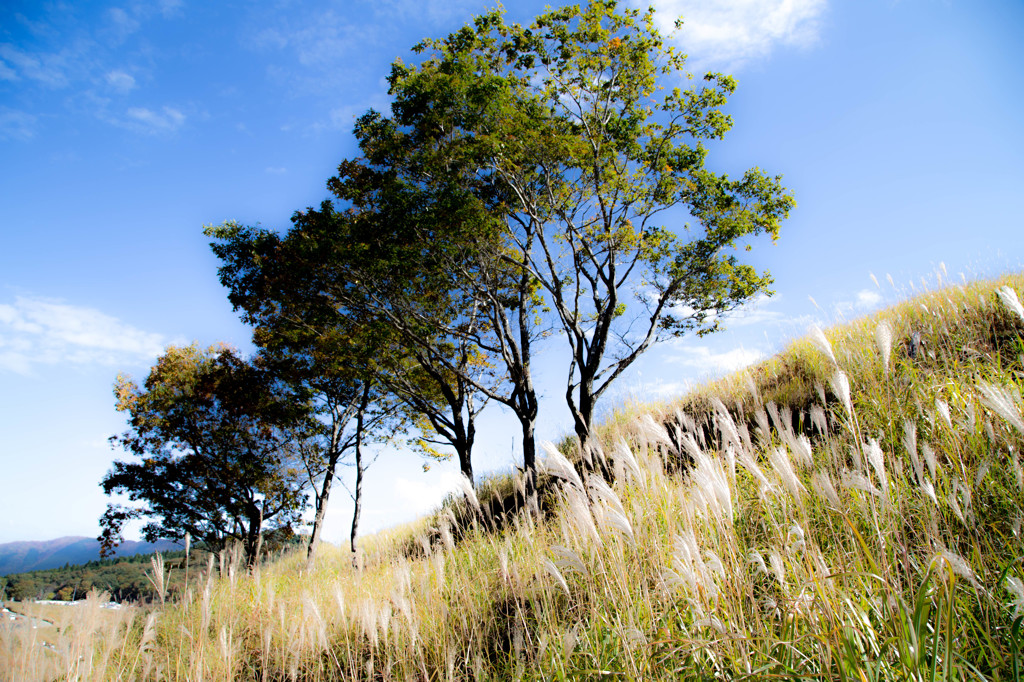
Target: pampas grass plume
{"points": [[1008, 297], [883, 339]]}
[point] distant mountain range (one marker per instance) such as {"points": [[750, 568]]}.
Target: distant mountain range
{"points": [[21, 557]]}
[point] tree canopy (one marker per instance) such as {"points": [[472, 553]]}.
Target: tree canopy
{"points": [[556, 171], [217, 441]]}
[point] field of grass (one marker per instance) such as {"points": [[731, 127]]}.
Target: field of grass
{"points": [[849, 509]]}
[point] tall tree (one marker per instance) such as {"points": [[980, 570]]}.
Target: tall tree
{"points": [[311, 346], [593, 161], [438, 268], [218, 443], [314, 280]]}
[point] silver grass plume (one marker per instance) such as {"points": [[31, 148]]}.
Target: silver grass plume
{"points": [[568, 560], [778, 568], [467, 489], [556, 464], [841, 387], [1008, 297], [876, 458], [1003, 401], [818, 419], [577, 508], [614, 521], [1016, 589], [930, 459], [553, 571], [982, 472], [910, 444], [755, 559], [652, 431], [823, 486], [959, 566], [710, 488], [942, 407], [625, 457], [780, 461], [883, 339], [858, 481], [751, 466], [726, 425], [602, 492], [795, 538], [821, 341]]}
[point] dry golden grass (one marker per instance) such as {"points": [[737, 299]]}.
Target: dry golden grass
{"points": [[852, 514]]}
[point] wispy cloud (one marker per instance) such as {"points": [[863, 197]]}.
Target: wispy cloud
{"points": [[863, 301], [123, 23], [35, 331], [430, 12], [343, 119], [16, 125], [120, 80], [704, 360], [49, 69], [167, 120], [725, 34]]}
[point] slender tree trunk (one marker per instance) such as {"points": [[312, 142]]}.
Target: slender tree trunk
{"points": [[530, 461], [583, 416], [464, 450], [321, 507], [359, 472], [253, 534]]}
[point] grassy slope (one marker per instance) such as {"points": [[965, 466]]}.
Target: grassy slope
{"points": [[809, 538]]}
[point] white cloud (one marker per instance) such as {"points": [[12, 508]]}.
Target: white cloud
{"points": [[275, 171], [16, 125], [124, 24], [120, 81], [867, 298], [170, 8], [725, 34], [705, 361], [429, 11], [37, 331], [344, 118], [754, 311], [48, 69], [864, 301], [417, 496], [167, 120]]}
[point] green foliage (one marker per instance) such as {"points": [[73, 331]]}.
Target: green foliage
{"points": [[124, 578], [562, 142], [217, 441]]}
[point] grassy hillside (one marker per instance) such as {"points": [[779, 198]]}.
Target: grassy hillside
{"points": [[849, 509]]}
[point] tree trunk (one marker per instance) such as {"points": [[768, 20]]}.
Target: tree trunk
{"points": [[321, 508], [464, 450], [359, 472], [252, 535], [583, 416], [530, 462]]}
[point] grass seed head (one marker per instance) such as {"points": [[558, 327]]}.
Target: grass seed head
{"points": [[1008, 297], [819, 339], [883, 340], [1004, 402]]}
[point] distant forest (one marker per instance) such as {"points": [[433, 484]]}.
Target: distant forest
{"points": [[123, 577]]}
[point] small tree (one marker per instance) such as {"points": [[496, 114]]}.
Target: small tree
{"points": [[217, 441]]}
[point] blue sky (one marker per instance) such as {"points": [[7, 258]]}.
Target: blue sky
{"points": [[125, 127]]}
